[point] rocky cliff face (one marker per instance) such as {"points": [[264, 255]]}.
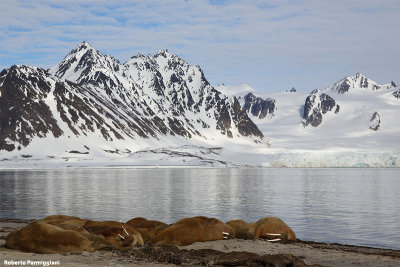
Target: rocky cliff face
{"points": [[317, 104], [89, 93], [258, 106], [24, 113]]}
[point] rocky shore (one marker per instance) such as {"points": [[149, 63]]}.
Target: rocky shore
{"points": [[233, 252]]}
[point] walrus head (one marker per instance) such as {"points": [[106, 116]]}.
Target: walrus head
{"points": [[124, 238], [118, 236]]}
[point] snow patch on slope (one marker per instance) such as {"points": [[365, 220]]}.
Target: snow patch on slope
{"points": [[235, 90]]}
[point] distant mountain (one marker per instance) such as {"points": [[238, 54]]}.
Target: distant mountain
{"points": [[358, 82], [332, 127], [164, 88], [91, 94], [316, 105], [319, 102], [92, 110]]}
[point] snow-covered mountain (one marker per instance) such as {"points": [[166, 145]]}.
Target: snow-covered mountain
{"points": [[170, 95], [329, 128], [92, 110], [90, 101], [357, 83]]}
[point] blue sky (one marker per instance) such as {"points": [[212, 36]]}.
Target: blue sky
{"points": [[271, 45]]}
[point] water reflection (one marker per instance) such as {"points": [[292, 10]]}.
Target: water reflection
{"points": [[354, 206]]}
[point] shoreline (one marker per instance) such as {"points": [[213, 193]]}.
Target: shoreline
{"points": [[71, 167], [299, 252]]}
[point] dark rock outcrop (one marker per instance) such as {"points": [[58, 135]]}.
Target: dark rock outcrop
{"points": [[317, 104], [375, 122], [396, 94], [258, 106]]}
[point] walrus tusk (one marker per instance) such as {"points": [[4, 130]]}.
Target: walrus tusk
{"points": [[225, 235], [125, 230], [121, 236], [274, 240], [273, 234]]}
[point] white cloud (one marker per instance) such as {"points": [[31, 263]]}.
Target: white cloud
{"points": [[307, 44]]}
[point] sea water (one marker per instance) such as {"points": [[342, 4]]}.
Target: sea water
{"points": [[349, 206]]}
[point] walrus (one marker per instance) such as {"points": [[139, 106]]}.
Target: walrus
{"points": [[75, 222], [147, 228], [60, 217], [243, 230], [273, 225], [95, 224], [140, 222], [187, 231], [118, 234], [41, 237], [223, 227]]}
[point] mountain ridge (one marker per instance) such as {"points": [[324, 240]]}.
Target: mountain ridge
{"points": [[142, 98], [92, 108], [357, 82]]}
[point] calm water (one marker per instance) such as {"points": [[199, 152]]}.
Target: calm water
{"points": [[351, 206]]}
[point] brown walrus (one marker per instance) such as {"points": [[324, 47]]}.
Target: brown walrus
{"points": [[120, 235], [273, 225], [60, 217], [147, 228], [187, 231], [140, 222], [61, 233], [223, 227], [243, 230], [41, 237]]}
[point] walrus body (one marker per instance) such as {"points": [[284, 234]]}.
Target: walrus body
{"points": [[148, 229], [53, 234], [221, 226], [243, 230], [273, 225], [140, 222], [60, 217], [186, 232], [118, 234], [41, 237]]}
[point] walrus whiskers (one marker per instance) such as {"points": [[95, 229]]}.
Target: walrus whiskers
{"points": [[125, 230]]}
